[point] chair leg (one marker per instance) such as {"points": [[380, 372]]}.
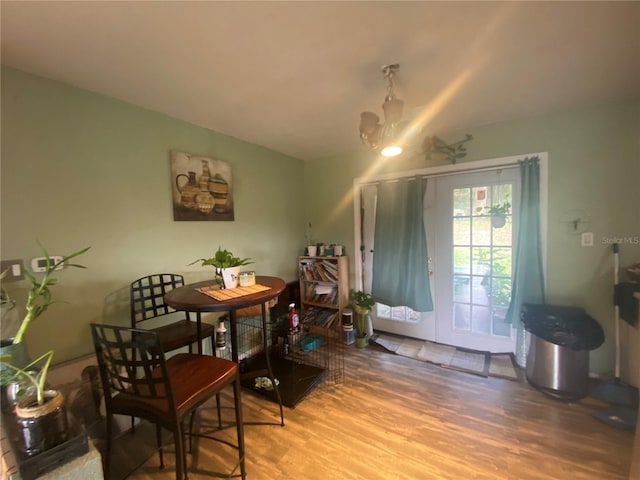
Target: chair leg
{"points": [[159, 443], [192, 417], [107, 451], [239, 423], [219, 411], [213, 352], [181, 461]]}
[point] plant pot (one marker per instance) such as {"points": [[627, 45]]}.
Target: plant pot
{"points": [[41, 427], [498, 221], [230, 276], [361, 342], [19, 358]]}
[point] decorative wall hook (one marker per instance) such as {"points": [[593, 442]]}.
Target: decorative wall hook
{"points": [[453, 151]]}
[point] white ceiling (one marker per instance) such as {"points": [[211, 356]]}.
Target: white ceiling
{"points": [[294, 76]]}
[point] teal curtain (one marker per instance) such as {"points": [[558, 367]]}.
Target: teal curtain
{"points": [[528, 281], [400, 268]]}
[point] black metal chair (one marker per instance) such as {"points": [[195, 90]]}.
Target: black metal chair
{"points": [[147, 303], [139, 381]]}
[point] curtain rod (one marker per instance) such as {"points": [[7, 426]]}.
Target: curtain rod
{"points": [[444, 174], [465, 167]]}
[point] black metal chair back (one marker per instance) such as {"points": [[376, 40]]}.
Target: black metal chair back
{"points": [[147, 296], [132, 362]]}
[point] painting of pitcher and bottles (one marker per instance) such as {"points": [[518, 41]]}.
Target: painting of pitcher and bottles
{"points": [[201, 188]]}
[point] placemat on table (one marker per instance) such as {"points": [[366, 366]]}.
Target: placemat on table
{"points": [[230, 293]]}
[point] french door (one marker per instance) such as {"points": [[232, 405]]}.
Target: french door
{"points": [[470, 264], [398, 320]]}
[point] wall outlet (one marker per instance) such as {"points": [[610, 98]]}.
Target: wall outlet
{"points": [[39, 265], [587, 239], [15, 272]]}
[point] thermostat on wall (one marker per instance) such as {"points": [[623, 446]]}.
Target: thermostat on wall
{"points": [[39, 265]]}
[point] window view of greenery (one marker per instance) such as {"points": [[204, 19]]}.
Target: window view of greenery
{"points": [[482, 263]]}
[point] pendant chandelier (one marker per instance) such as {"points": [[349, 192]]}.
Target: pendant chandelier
{"points": [[385, 136]]}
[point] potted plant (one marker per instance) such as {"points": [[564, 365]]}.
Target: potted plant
{"points": [[44, 412], [39, 299], [227, 267], [497, 212], [361, 302], [41, 416]]}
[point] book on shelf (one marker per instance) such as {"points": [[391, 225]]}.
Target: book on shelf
{"points": [[318, 270], [322, 317], [321, 293]]}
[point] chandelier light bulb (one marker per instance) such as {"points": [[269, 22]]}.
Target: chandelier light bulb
{"points": [[391, 151]]}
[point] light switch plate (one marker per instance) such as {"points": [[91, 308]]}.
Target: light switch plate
{"points": [[15, 272], [587, 239]]}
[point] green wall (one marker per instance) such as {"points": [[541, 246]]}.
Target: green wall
{"points": [[80, 169], [594, 166]]}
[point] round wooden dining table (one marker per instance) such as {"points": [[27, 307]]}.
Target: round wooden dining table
{"points": [[188, 298]]}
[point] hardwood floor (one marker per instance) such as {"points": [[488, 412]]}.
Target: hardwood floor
{"points": [[398, 418]]}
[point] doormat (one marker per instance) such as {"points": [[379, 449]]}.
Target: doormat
{"points": [[483, 364]]}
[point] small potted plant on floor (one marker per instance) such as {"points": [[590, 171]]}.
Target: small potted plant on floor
{"points": [[361, 303], [227, 267]]}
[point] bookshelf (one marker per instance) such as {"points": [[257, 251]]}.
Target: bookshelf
{"points": [[324, 290]]}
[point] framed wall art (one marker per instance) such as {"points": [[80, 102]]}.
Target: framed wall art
{"points": [[202, 188]]}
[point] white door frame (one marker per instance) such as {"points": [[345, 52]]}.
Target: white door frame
{"points": [[465, 167]]}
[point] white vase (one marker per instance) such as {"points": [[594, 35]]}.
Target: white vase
{"points": [[230, 277]]}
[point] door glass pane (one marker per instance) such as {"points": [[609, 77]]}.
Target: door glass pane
{"points": [[462, 288], [461, 202], [461, 260], [479, 199], [481, 322], [501, 291], [480, 290], [462, 231], [482, 260], [461, 316], [502, 236], [500, 327], [481, 232], [501, 262]]}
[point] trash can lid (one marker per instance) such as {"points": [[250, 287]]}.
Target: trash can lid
{"points": [[567, 326]]}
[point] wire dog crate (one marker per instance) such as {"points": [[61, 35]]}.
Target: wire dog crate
{"points": [[309, 360]]}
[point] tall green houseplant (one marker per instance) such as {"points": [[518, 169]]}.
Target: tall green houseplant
{"points": [[39, 298]]}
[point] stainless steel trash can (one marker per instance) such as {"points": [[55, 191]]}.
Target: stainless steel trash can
{"points": [[560, 338], [558, 371]]}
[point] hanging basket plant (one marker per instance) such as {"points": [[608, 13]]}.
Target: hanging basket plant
{"points": [[497, 212]]}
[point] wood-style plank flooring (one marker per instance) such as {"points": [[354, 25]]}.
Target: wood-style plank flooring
{"points": [[397, 418]]}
